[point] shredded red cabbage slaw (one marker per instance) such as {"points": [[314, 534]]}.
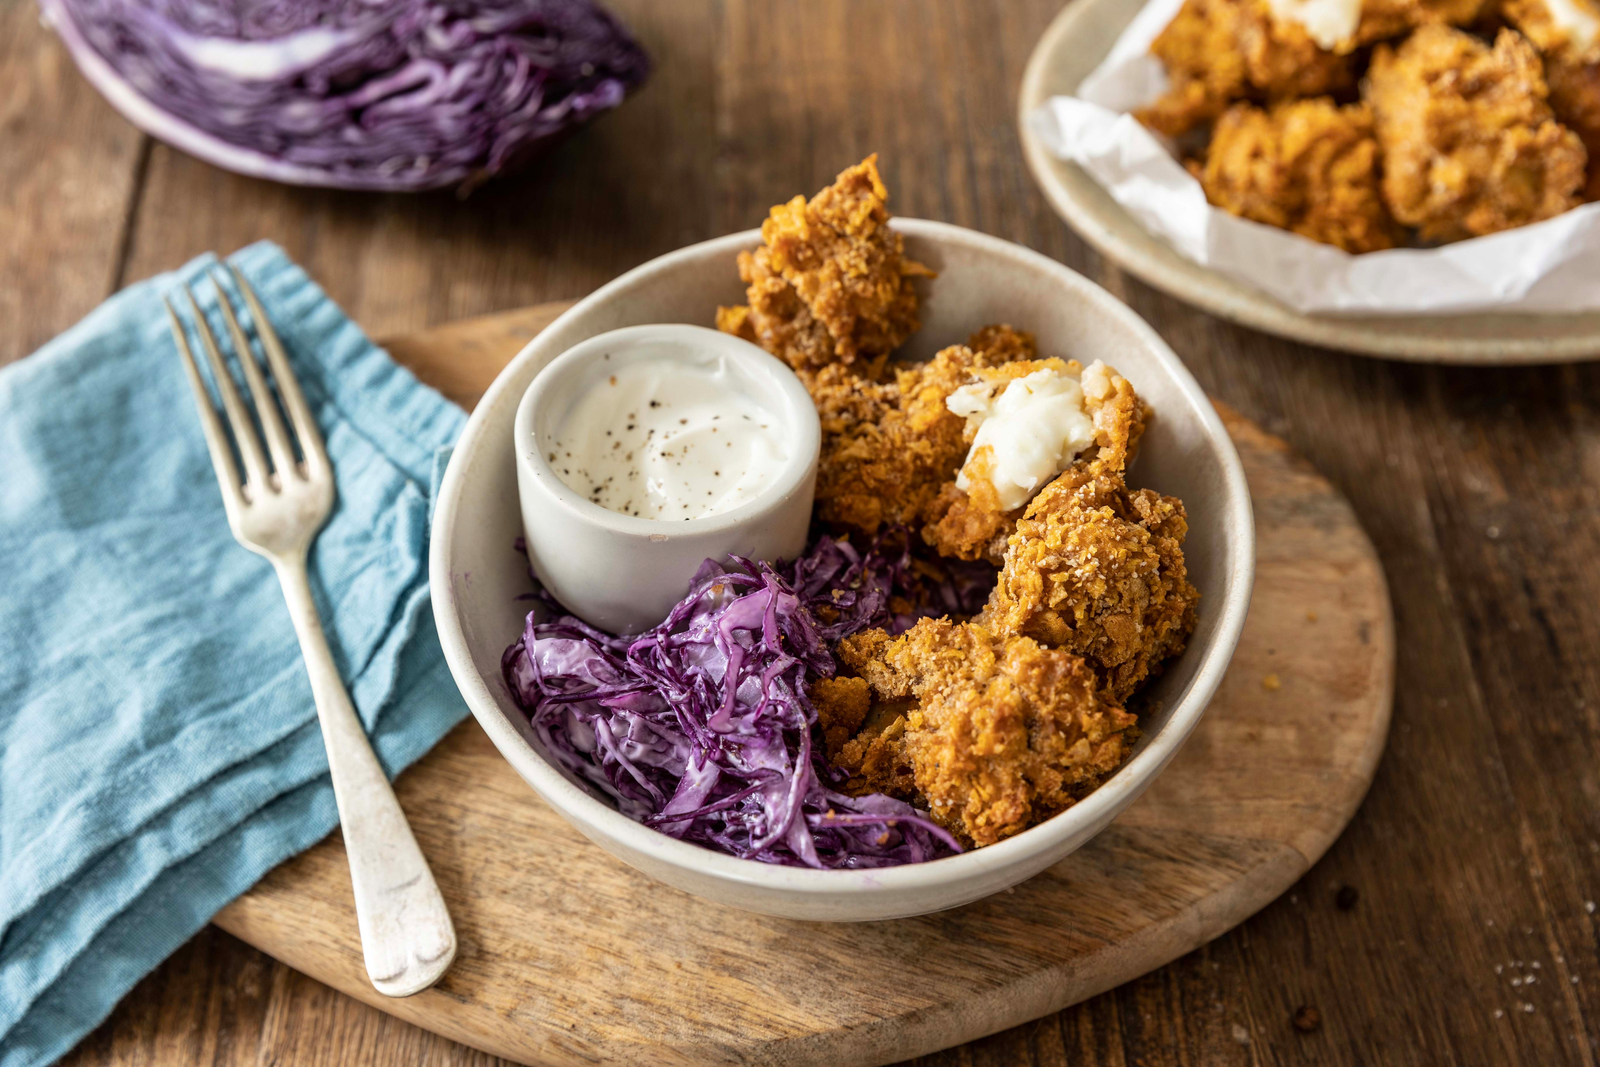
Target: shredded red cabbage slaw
{"points": [[701, 727]]}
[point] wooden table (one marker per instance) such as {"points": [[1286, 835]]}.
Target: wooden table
{"points": [[1475, 864]]}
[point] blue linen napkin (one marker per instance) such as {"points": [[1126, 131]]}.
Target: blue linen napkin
{"points": [[159, 749]]}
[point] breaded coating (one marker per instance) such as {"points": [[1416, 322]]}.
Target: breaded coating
{"points": [[842, 704], [1575, 100], [1469, 144], [1571, 69], [888, 447], [971, 524], [1220, 51], [1308, 166], [1002, 734], [876, 759], [1119, 417], [830, 282], [1383, 19], [873, 750], [1098, 570], [776, 318], [1001, 343], [1549, 34]]}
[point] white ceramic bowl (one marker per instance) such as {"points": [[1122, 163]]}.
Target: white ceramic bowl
{"points": [[624, 573], [476, 575]]}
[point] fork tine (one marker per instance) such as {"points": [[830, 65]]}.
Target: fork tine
{"points": [[266, 411], [210, 425], [244, 434], [294, 401]]}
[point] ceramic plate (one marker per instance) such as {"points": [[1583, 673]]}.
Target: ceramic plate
{"points": [[1074, 45]]}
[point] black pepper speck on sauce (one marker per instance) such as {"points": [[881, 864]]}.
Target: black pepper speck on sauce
{"points": [[637, 441]]}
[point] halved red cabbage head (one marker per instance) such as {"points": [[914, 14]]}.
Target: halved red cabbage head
{"points": [[354, 94], [701, 727]]}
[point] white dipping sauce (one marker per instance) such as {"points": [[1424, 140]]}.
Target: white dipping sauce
{"points": [[668, 439]]}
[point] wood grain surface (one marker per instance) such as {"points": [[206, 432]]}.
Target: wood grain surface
{"points": [[570, 957], [1478, 847]]}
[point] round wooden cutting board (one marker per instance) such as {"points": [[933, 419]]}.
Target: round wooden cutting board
{"points": [[569, 957]]}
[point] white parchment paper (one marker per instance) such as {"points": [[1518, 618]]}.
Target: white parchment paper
{"points": [[1547, 267]]}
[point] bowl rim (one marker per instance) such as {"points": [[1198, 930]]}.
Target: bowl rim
{"points": [[1496, 339], [577, 805]]}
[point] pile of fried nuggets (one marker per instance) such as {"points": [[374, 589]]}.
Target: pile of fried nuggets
{"points": [[1447, 118], [996, 722]]}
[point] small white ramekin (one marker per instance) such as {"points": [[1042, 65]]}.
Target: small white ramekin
{"points": [[624, 573]]}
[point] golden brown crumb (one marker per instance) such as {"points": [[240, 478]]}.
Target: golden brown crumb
{"points": [[1119, 417], [1469, 144], [842, 705], [1575, 101], [876, 758], [1308, 166], [969, 523], [1271, 683], [1306, 1019], [1571, 71], [1383, 19], [888, 447], [1098, 570], [1002, 734], [776, 318], [1001, 343], [1545, 31], [830, 282], [1219, 51]]}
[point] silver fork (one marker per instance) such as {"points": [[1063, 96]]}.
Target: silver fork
{"points": [[406, 933]]}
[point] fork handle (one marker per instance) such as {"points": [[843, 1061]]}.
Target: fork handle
{"points": [[406, 933]]}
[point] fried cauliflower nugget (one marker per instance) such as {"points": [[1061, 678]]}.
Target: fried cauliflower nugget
{"points": [[1555, 36], [1469, 145], [1002, 734], [1219, 51], [830, 282], [1575, 100], [889, 446], [1308, 166], [971, 524], [1571, 52], [1098, 570]]}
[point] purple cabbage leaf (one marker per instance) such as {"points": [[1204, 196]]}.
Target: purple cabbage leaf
{"points": [[411, 95]]}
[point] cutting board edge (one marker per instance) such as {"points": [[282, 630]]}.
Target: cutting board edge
{"points": [[1031, 996]]}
